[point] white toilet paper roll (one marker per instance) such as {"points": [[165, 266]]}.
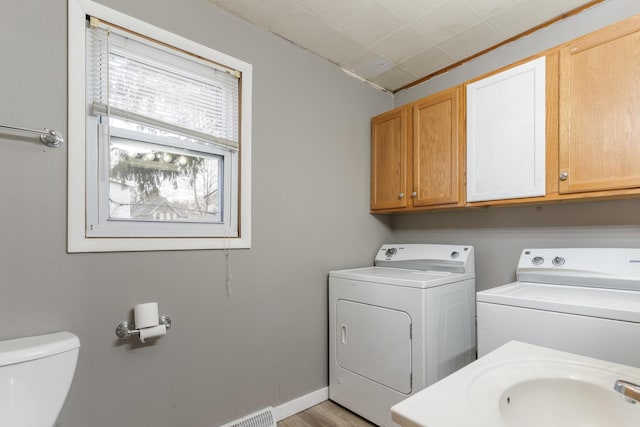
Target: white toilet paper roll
{"points": [[145, 315], [154, 331]]}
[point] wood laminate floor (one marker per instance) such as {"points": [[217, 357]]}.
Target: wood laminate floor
{"points": [[325, 414]]}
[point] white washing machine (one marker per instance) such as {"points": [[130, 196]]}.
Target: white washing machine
{"points": [[400, 325], [580, 300]]}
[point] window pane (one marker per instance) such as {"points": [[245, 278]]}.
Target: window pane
{"points": [[152, 182]]}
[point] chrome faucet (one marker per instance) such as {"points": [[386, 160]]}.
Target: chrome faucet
{"points": [[630, 391]]}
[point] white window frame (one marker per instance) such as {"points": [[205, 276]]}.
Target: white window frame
{"points": [[78, 240]]}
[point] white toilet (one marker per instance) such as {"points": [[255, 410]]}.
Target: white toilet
{"points": [[35, 376]]}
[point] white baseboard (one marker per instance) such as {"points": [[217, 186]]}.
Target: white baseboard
{"points": [[301, 403]]}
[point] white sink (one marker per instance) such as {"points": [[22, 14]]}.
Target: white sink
{"points": [[565, 402], [521, 385]]}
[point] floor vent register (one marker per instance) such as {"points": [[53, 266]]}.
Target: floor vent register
{"points": [[263, 418]]}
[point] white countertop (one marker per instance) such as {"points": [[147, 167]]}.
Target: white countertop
{"points": [[471, 396]]}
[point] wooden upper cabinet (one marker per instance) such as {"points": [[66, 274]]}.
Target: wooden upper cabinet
{"points": [[600, 110], [506, 133], [416, 153], [564, 125], [437, 149], [389, 159]]}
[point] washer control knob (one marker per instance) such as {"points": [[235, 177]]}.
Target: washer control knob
{"points": [[558, 261], [391, 251], [537, 260], [455, 254]]}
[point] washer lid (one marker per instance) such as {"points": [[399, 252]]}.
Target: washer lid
{"points": [[604, 303], [401, 277]]}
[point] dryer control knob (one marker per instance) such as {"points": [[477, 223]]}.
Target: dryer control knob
{"points": [[537, 260], [557, 261], [455, 254]]}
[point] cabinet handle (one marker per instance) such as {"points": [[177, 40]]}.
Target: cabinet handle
{"points": [[401, 195], [414, 194], [564, 176]]}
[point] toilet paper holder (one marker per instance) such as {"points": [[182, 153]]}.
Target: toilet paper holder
{"points": [[126, 329]]}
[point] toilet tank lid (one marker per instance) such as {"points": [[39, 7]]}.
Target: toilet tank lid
{"points": [[37, 347]]}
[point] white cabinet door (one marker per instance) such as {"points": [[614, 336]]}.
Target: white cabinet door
{"points": [[375, 343], [506, 134]]}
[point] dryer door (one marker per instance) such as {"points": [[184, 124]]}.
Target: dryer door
{"points": [[375, 342]]}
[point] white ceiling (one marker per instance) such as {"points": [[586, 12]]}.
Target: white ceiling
{"points": [[392, 43]]}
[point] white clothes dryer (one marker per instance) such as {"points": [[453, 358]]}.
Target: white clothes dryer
{"points": [[580, 300], [400, 325]]}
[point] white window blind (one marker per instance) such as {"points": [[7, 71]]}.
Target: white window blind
{"points": [[138, 80]]}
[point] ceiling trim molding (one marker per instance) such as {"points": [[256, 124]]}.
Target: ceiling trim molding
{"points": [[502, 43]]}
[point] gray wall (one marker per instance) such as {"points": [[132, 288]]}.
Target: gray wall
{"points": [[224, 357], [500, 234]]}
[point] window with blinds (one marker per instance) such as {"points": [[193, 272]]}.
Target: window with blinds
{"points": [[162, 149], [135, 79]]}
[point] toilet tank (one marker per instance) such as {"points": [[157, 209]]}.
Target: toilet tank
{"points": [[35, 376]]}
